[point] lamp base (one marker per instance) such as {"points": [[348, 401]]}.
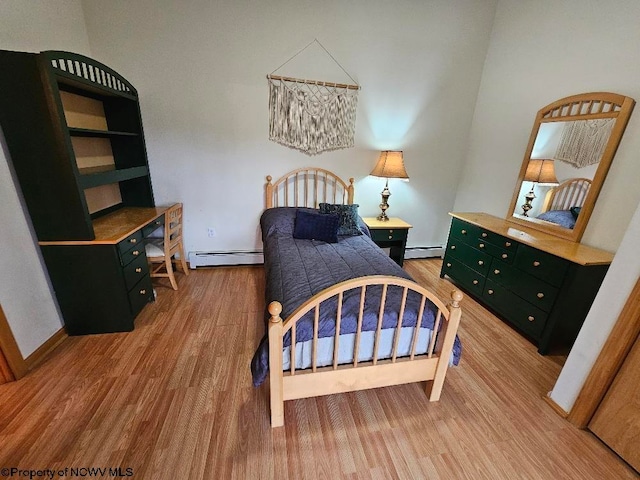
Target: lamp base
{"points": [[384, 205]]}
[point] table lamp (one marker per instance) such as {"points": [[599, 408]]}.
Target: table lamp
{"points": [[538, 171], [390, 165]]}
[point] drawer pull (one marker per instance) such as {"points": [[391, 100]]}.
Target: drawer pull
{"points": [[475, 282], [480, 262], [138, 270], [490, 292], [504, 255], [390, 231], [507, 244], [132, 240], [448, 265], [484, 235], [453, 247], [143, 292], [540, 295], [390, 237], [158, 222], [531, 318], [481, 245], [496, 271], [464, 232], [135, 253], [536, 264]]}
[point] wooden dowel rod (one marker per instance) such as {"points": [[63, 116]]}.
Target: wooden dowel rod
{"points": [[314, 82]]}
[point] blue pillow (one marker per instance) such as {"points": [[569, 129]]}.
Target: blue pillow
{"points": [[575, 211], [348, 217], [315, 226]]}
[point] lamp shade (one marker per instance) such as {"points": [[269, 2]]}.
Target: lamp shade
{"points": [[540, 171], [390, 165]]}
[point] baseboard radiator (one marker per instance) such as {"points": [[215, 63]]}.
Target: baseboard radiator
{"points": [[423, 252], [211, 259]]}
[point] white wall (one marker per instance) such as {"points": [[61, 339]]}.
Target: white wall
{"points": [[26, 296], [200, 70], [541, 51]]}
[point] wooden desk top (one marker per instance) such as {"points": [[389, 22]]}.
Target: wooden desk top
{"points": [[117, 226], [393, 222], [572, 251]]}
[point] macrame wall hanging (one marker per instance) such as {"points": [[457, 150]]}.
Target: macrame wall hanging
{"points": [[309, 115], [583, 142]]}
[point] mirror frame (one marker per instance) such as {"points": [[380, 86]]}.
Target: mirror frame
{"points": [[585, 106]]}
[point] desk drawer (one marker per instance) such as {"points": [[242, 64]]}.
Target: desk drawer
{"points": [[134, 272], [542, 265], [517, 311], [469, 256], [135, 239], [129, 256], [466, 277], [388, 234], [140, 295], [148, 229]]}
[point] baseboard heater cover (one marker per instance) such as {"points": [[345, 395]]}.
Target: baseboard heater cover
{"points": [[423, 252], [211, 259]]}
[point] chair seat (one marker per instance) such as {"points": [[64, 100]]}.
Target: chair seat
{"points": [[154, 247]]}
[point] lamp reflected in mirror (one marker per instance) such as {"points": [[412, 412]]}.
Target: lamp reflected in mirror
{"points": [[538, 172]]}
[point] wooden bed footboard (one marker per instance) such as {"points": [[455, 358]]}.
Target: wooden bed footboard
{"points": [[316, 381]]}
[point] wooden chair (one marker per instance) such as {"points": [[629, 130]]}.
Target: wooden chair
{"points": [[162, 250]]}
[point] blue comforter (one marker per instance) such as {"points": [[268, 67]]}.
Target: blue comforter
{"points": [[298, 269]]}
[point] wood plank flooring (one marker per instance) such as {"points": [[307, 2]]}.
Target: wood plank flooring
{"points": [[173, 399]]}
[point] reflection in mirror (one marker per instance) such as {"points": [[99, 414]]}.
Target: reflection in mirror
{"points": [[571, 147]]}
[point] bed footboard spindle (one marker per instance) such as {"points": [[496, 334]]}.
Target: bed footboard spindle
{"points": [[376, 344], [399, 325], [336, 338], [356, 346]]}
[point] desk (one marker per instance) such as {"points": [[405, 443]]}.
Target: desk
{"points": [[102, 284]]}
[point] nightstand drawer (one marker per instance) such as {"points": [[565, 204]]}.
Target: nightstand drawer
{"points": [[391, 234], [466, 277], [542, 265], [519, 312], [474, 259]]}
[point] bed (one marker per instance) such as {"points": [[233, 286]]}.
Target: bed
{"points": [[333, 307], [563, 203]]}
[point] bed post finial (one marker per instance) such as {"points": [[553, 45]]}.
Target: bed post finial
{"points": [[268, 193], [350, 192], [275, 308], [456, 298]]}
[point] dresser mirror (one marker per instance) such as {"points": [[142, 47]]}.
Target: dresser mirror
{"points": [[571, 146]]}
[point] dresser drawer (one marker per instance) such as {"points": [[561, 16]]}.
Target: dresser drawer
{"points": [[135, 239], [469, 256], [499, 241], [153, 226], [517, 311], [535, 291], [504, 254], [542, 265], [140, 295], [390, 234], [129, 256], [466, 277], [464, 230], [134, 272]]}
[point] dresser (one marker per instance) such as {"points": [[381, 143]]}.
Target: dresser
{"points": [[541, 285]]}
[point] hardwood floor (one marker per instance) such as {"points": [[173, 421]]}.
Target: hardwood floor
{"points": [[173, 399]]}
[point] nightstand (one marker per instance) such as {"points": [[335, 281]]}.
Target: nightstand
{"points": [[390, 234]]}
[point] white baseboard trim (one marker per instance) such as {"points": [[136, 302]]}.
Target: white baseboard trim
{"points": [[423, 252], [211, 259]]}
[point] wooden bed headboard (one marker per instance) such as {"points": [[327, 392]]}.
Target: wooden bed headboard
{"points": [[570, 193], [308, 187]]}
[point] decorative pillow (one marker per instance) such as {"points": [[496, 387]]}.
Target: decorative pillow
{"points": [[575, 211], [348, 217], [315, 226]]}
